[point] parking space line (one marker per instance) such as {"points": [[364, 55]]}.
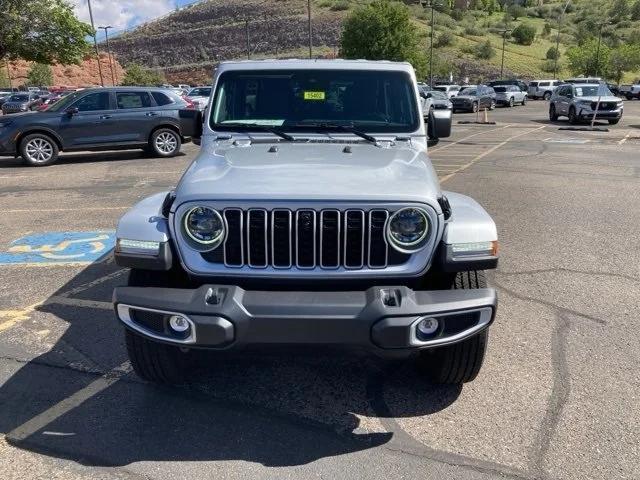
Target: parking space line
{"points": [[75, 209], [626, 137], [483, 132], [487, 152]]}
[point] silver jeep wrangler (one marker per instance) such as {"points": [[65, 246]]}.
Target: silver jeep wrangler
{"points": [[312, 215]]}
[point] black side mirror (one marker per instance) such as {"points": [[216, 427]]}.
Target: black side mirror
{"points": [[71, 111], [439, 126]]}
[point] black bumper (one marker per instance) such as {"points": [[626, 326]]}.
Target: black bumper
{"points": [[601, 115], [382, 319]]}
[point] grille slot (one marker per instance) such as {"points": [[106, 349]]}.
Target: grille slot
{"points": [[306, 239]]}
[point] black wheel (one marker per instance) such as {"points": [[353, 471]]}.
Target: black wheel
{"points": [[553, 116], [614, 121], [511, 102], [492, 106], [38, 150], [573, 118], [524, 100], [165, 142], [629, 96], [474, 107], [460, 362], [154, 361], [547, 96]]}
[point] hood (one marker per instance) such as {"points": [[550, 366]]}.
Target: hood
{"points": [[310, 171]]}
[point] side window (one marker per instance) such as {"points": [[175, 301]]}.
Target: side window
{"points": [[93, 102], [133, 99], [543, 84], [162, 99]]}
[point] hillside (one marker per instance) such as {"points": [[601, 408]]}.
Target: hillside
{"points": [[187, 43]]}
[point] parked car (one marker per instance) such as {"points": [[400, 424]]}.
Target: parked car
{"points": [[295, 225], [630, 91], [199, 96], [578, 102], [450, 90], [474, 98], [518, 83], [509, 95], [613, 88], [21, 102], [542, 88], [100, 119], [439, 100], [4, 95], [583, 80]]}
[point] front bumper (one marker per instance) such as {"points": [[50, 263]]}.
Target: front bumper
{"points": [[380, 319], [587, 114]]}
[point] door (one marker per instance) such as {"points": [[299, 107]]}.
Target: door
{"points": [[136, 115], [485, 97], [91, 124], [562, 102], [533, 89]]}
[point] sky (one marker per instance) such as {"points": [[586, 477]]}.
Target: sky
{"points": [[121, 14]]}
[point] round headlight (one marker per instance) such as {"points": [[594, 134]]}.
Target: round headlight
{"points": [[204, 226], [407, 229]]}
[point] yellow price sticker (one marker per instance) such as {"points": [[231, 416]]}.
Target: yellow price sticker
{"points": [[314, 95]]}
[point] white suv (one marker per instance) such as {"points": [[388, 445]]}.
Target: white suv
{"points": [[542, 88]]}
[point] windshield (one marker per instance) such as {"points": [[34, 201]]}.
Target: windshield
{"points": [[372, 101], [19, 98], [592, 91], [468, 91], [438, 95], [200, 92]]}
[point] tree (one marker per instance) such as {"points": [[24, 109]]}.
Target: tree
{"points": [[619, 10], [139, 75], [553, 54], [517, 11], [625, 58], [40, 74], [635, 10], [42, 31], [382, 30], [524, 34], [546, 31], [484, 50], [584, 59]]}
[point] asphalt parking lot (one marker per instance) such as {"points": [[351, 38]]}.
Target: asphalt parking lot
{"points": [[557, 398]]}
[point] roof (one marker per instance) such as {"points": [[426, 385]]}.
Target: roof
{"points": [[317, 64]]}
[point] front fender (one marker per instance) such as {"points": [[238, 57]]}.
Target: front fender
{"points": [[144, 222]]}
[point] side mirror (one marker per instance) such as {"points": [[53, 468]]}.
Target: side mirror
{"points": [[439, 125], [423, 95], [71, 111]]}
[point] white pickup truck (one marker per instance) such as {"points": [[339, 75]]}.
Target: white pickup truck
{"points": [[630, 91]]}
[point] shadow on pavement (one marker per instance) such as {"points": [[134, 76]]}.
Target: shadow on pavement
{"points": [[87, 157], [274, 408]]}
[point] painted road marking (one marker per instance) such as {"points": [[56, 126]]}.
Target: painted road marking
{"points": [[483, 132], [626, 137], [59, 248]]}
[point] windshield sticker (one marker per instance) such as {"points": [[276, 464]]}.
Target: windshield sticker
{"points": [[314, 96]]}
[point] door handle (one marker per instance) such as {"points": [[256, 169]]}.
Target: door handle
{"points": [[151, 114], [105, 117]]}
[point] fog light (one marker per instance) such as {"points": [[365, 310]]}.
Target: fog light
{"points": [[178, 323], [426, 328]]}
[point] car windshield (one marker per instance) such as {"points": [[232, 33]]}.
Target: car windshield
{"points": [[468, 91], [592, 91], [19, 98], [200, 92], [438, 95], [299, 100]]}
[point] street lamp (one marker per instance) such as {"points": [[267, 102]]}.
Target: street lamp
{"points": [[600, 25], [504, 39], [95, 43], [106, 34], [432, 6], [555, 62]]}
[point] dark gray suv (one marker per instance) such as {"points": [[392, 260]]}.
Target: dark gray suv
{"points": [[154, 119]]}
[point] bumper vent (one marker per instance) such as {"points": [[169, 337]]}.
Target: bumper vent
{"points": [[306, 239]]}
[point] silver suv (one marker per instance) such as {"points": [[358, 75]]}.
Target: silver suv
{"points": [[311, 216], [579, 102]]}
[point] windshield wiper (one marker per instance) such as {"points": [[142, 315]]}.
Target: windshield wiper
{"points": [[339, 127], [261, 128]]}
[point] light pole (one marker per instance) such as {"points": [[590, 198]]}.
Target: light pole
{"points": [[504, 40], [310, 31], [600, 25], [106, 35], [6, 62], [95, 43], [555, 61], [430, 4]]}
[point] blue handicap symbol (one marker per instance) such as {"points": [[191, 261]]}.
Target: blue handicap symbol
{"points": [[60, 247]]}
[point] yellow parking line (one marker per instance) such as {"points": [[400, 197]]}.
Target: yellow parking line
{"points": [[487, 152], [76, 209], [626, 137], [483, 132]]}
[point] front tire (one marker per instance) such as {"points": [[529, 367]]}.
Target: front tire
{"points": [[573, 119], [492, 106], [38, 150], [474, 107], [547, 96], [511, 102], [461, 362], [524, 100], [614, 121], [165, 143], [553, 115]]}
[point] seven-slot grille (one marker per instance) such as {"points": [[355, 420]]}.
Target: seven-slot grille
{"points": [[306, 239]]}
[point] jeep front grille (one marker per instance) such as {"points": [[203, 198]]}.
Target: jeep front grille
{"points": [[306, 239]]}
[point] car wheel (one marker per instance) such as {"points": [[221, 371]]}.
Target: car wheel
{"points": [[524, 100], [511, 102], [492, 105], [165, 142], [614, 121], [553, 116], [573, 118], [154, 361], [474, 107], [629, 96], [547, 96], [38, 150], [460, 362]]}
